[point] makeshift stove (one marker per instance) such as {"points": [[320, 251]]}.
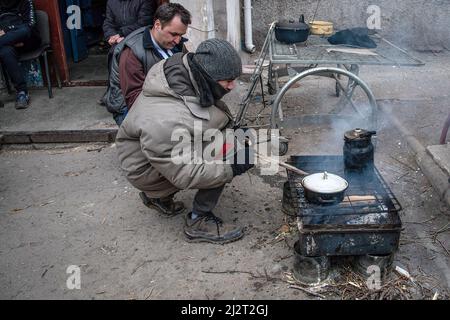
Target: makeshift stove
{"points": [[366, 223]]}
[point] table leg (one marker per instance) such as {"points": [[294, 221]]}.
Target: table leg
{"points": [[270, 82], [280, 108]]}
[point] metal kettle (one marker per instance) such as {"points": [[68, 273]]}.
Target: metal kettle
{"points": [[358, 149]]}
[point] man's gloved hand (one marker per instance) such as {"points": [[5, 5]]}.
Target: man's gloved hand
{"points": [[243, 160]]}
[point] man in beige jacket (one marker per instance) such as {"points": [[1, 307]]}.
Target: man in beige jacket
{"points": [[183, 93]]}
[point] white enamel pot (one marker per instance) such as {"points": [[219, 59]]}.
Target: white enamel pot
{"points": [[324, 188]]}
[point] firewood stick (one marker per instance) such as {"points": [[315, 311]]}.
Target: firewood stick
{"points": [[282, 164], [362, 198]]}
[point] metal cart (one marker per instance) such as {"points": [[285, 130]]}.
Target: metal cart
{"points": [[302, 60]]}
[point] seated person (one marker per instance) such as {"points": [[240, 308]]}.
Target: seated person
{"points": [[125, 16], [18, 34]]}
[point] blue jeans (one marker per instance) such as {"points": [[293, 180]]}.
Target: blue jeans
{"points": [[9, 55], [119, 117]]}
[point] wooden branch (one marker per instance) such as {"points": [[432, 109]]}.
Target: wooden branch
{"points": [[308, 291], [282, 164]]}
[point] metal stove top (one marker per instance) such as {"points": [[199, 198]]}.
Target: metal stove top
{"points": [[366, 221]]}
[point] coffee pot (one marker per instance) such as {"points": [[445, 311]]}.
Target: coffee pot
{"points": [[358, 149]]}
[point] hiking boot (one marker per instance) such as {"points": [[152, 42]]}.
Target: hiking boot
{"points": [[209, 228], [22, 100], [166, 206]]}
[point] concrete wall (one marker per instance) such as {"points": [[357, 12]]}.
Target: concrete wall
{"points": [[418, 24], [202, 26], [220, 18], [206, 15]]}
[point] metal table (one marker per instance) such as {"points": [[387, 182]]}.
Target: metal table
{"points": [[317, 50], [303, 59]]}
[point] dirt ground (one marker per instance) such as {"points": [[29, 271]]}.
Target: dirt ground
{"points": [[71, 205], [63, 207]]}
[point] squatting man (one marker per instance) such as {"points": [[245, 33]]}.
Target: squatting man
{"points": [[181, 98]]}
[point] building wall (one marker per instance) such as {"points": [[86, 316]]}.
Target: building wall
{"points": [[202, 26], [220, 18], [418, 24], [207, 15]]}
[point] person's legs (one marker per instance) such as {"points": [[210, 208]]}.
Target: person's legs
{"points": [[9, 59], [203, 226], [15, 36], [166, 205], [206, 200], [156, 192], [11, 44]]}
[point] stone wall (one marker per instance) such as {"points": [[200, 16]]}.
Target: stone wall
{"points": [[418, 24]]}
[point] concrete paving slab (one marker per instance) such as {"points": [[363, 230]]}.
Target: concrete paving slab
{"points": [[410, 83], [441, 155], [71, 109], [424, 117], [95, 67]]}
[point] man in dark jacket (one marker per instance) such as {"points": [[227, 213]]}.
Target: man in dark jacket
{"points": [[143, 48], [125, 16], [17, 34], [122, 18]]}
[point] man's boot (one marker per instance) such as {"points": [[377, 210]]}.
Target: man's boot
{"points": [[209, 228], [166, 206]]}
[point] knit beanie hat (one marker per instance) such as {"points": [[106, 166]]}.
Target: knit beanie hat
{"points": [[219, 59]]}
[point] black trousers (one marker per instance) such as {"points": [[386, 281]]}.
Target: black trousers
{"points": [[206, 200], [9, 54]]}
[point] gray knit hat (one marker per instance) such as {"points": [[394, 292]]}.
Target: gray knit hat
{"points": [[219, 59]]}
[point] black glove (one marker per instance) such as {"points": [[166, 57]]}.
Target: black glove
{"points": [[243, 161]]}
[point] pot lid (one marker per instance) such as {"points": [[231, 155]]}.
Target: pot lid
{"points": [[359, 134], [324, 182]]}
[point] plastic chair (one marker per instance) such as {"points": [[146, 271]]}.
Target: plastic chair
{"points": [[43, 51]]}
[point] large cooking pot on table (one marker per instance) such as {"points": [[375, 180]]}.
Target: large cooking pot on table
{"points": [[292, 32], [324, 188]]}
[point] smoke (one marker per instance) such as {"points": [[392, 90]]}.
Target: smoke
{"points": [[322, 124]]}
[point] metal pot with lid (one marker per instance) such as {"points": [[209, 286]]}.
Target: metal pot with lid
{"points": [[358, 149], [291, 31], [324, 188]]}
